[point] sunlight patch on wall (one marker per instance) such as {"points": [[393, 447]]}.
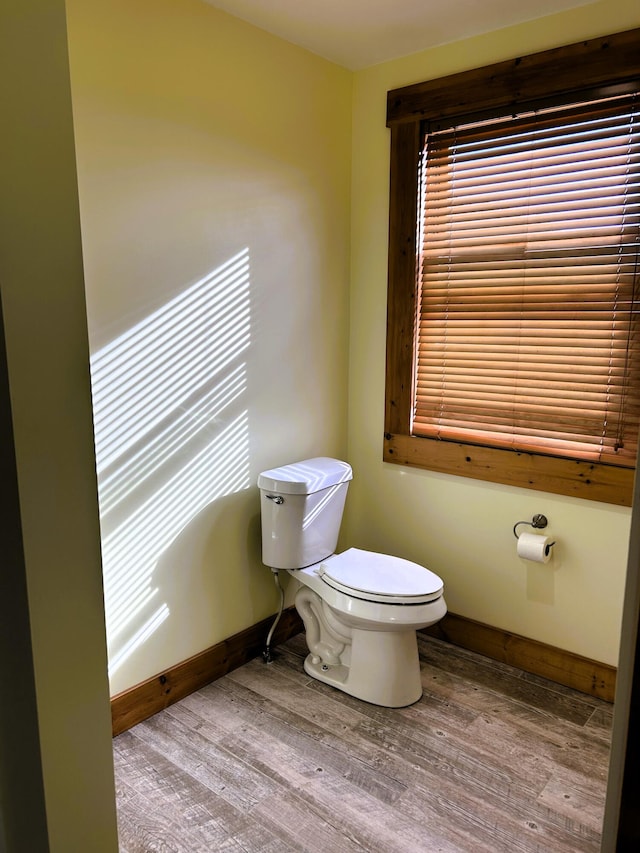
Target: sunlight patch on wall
{"points": [[172, 435]]}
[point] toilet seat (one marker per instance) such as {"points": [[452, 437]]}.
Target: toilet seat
{"points": [[380, 577]]}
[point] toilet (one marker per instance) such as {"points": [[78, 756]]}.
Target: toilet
{"points": [[360, 609]]}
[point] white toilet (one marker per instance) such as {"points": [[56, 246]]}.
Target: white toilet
{"points": [[360, 609]]}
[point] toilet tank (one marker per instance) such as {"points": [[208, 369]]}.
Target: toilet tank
{"points": [[301, 507]]}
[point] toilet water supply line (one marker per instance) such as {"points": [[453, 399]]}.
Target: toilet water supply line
{"points": [[266, 654]]}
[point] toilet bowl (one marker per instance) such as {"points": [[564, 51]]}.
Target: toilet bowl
{"points": [[361, 623], [360, 609]]}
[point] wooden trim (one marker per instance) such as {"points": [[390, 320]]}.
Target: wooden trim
{"points": [[401, 306], [146, 699], [547, 74], [588, 480], [566, 668]]}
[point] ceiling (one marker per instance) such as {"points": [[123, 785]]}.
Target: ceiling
{"points": [[360, 33]]}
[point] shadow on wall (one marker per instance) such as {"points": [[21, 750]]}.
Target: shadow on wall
{"points": [[172, 435]]}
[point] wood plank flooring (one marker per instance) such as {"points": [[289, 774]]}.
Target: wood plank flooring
{"points": [[266, 759]]}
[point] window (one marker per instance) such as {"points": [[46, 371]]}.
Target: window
{"points": [[513, 351]]}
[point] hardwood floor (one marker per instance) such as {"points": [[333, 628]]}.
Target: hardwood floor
{"points": [[266, 759]]}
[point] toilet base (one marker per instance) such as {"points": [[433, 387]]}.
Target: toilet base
{"points": [[384, 668]]}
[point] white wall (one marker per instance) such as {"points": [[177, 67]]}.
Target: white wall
{"points": [[460, 528], [214, 179]]}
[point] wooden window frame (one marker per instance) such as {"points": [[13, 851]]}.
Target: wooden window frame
{"points": [[610, 64]]}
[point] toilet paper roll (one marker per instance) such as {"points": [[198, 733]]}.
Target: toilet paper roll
{"points": [[532, 546]]}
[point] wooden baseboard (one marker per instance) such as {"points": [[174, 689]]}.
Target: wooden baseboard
{"points": [[571, 670], [146, 699]]}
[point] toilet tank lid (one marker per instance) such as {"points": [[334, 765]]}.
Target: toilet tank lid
{"points": [[306, 477]]}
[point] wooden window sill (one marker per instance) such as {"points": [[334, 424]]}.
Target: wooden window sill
{"points": [[589, 480]]}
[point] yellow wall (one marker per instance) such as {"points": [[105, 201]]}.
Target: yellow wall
{"points": [[51, 543], [462, 529], [214, 180], [230, 238]]}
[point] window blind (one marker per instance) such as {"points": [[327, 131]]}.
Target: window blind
{"points": [[527, 313]]}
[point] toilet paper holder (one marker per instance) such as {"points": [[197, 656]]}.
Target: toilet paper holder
{"points": [[538, 521]]}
